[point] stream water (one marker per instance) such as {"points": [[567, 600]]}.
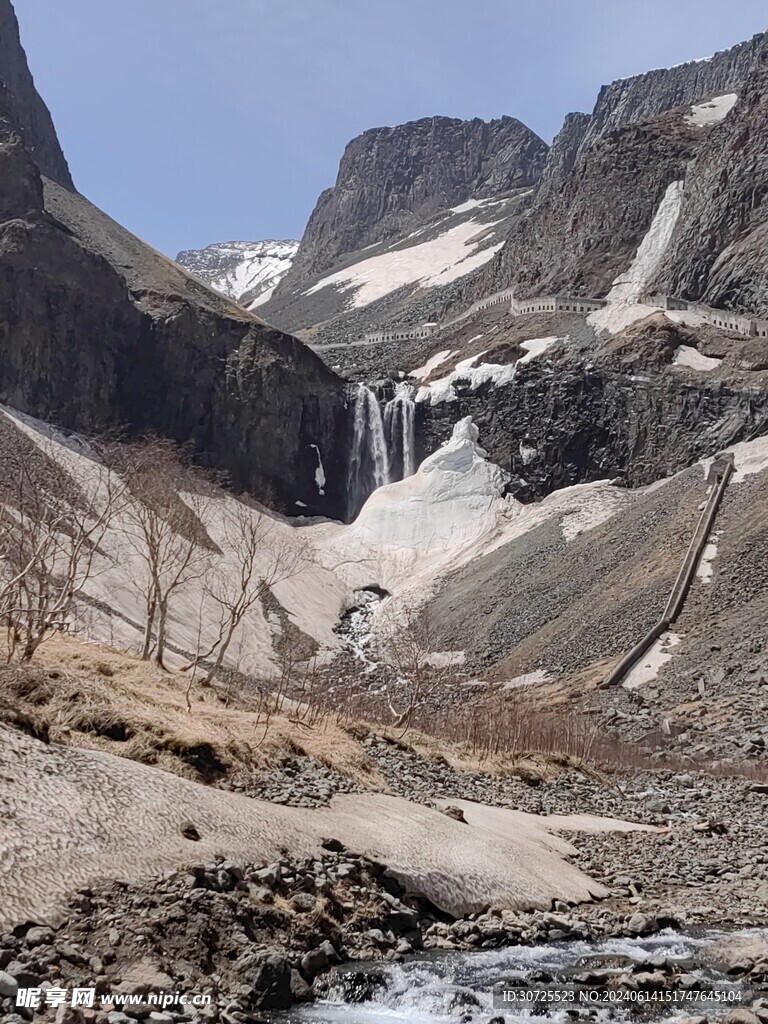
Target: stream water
{"points": [[459, 987]]}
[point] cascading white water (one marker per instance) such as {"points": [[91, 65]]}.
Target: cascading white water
{"points": [[431, 990], [383, 443], [369, 458], [400, 423]]}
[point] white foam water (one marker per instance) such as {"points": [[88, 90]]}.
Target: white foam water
{"points": [[445, 988]]}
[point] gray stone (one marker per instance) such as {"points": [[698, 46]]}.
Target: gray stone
{"points": [[8, 985], [39, 936], [313, 962], [641, 924]]}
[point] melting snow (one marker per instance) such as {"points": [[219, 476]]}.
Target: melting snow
{"points": [[431, 364], [713, 110], [649, 665], [535, 347], [436, 262], [623, 300], [688, 356], [685, 316], [527, 679], [749, 456], [470, 204], [705, 570], [592, 507], [443, 390], [320, 471]]}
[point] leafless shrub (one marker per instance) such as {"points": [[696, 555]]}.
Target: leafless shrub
{"points": [[163, 531], [51, 530], [413, 676], [257, 561]]}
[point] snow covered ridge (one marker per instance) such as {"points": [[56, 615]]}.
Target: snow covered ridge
{"points": [[247, 272]]}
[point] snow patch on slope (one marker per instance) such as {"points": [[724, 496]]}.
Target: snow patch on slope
{"points": [[443, 390], [623, 305], [312, 595], [431, 364], [688, 356], [712, 111], [705, 570], [443, 259], [749, 457], [648, 667]]}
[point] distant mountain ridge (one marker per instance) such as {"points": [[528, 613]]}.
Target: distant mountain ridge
{"points": [[247, 272], [574, 214], [449, 186]]}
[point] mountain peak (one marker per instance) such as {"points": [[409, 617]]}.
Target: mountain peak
{"points": [[247, 272]]}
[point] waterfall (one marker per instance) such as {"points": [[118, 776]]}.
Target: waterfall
{"points": [[383, 443], [369, 458], [400, 423]]}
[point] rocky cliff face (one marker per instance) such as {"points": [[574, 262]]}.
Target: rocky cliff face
{"points": [[636, 99], [99, 330], [31, 115], [606, 174], [247, 272], [392, 179], [619, 411], [584, 229], [719, 252]]}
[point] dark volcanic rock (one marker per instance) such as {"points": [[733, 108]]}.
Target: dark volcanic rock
{"points": [[718, 252], [99, 330], [32, 117], [392, 179], [631, 100], [605, 176], [568, 418], [587, 222]]}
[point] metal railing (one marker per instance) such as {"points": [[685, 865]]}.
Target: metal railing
{"points": [[682, 584]]}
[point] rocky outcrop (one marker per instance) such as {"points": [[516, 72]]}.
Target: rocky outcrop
{"points": [[605, 176], [595, 206], [98, 330], [31, 115], [719, 250], [390, 180], [636, 99], [622, 412]]}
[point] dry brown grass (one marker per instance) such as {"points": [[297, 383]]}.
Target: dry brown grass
{"points": [[98, 698], [102, 699]]}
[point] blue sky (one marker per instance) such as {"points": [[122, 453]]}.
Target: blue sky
{"points": [[196, 121]]}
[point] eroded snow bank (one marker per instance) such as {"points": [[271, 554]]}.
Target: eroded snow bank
{"points": [[498, 374], [649, 666], [688, 356], [623, 305]]}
